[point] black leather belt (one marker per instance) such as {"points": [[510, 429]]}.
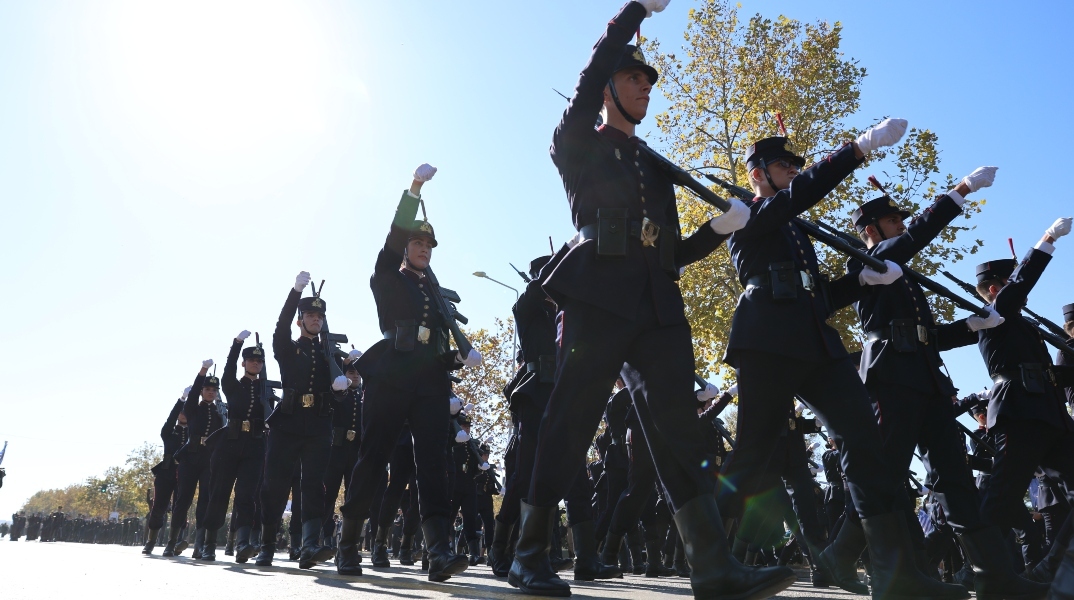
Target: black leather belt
{"points": [[884, 335], [635, 228], [1016, 376], [763, 281]]}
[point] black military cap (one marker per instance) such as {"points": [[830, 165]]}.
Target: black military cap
{"points": [[463, 418], [423, 229], [253, 352], [996, 269], [351, 366], [454, 379], [769, 149], [1068, 313], [981, 408], [211, 381], [311, 304], [875, 209], [633, 57], [537, 264]]}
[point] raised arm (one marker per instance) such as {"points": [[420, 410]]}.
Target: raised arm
{"points": [[190, 409], [1010, 300], [282, 347], [230, 382]]}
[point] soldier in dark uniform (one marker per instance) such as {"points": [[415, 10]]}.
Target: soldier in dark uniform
{"points": [[1027, 414], [346, 437], [488, 485], [239, 450], [1066, 359], [202, 418], [165, 478], [620, 305], [406, 378], [912, 397], [300, 434], [464, 492], [400, 474]]}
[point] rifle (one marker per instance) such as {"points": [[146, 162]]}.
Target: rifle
{"points": [[979, 439], [684, 179], [268, 399], [471, 444], [520, 273], [445, 300], [717, 422], [1050, 325], [331, 342]]}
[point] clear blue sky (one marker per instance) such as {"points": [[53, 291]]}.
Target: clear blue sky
{"points": [[166, 168]]}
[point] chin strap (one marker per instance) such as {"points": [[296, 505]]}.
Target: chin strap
{"points": [[772, 184], [619, 105]]}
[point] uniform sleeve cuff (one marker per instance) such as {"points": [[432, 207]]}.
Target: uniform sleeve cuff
{"points": [[411, 194], [1045, 247], [957, 197]]}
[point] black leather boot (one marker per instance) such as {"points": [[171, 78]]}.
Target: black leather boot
{"points": [[406, 550], [559, 562], [1063, 583], [380, 549], [613, 543], [588, 565], [501, 535], [895, 576], [531, 570], [739, 548], [151, 542], [714, 573], [208, 546], [1045, 570], [268, 547], [653, 567], [313, 553], [229, 547], [634, 545], [443, 562], [473, 546], [182, 543], [679, 565], [347, 557], [840, 558], [199, 543], [173, 540], [994, 576], [244, 549]]}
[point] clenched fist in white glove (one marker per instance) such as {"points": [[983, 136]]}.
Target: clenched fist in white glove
{"points": [[462, 437], [205, 364], [242, 336], [455, 406], [731, 221], [472, 359], [424, 173], [483, 466], [871, 277], [708, 393], [1058, 229], [654, 6], [732, 391], [886, 133], [186, 393], [993, 319], [981, 177], [469, 408], [341, 383], [354, 355], [302, 280]]}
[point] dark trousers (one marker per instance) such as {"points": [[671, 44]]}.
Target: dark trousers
{"points": [[594, 347], [384, 411], [285, 453], [641, 479], [800, 486], [517, 481], [487, 514], [617, 483], [341, 463], [1024, 445], [235, 464], [193, 476], [767, 384], [164, 484], [400, 474], [464, 498]]}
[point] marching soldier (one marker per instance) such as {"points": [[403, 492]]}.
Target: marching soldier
{"points": [[202, 418], [406, 377], [300, 434], [165, 478], [346, 437], [620, 305], [238, 458]]}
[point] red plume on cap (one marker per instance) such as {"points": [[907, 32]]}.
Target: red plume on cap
{"points": [[876, 184], [779, 121], [1010, 242]]}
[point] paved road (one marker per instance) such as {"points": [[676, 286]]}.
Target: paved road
{"points": [[33, 570]]}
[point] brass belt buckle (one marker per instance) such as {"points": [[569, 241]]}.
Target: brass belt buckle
{"points": [[307, 400], [923, 335], [246, 426], [203, 440], [807, 280], [423, 334], [1049, 376], [649, 232], [791, 424], [350, 435]]}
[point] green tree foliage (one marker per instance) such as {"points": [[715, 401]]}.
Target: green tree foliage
{"points": [[725, 88], [483, 385], [121, 489]]}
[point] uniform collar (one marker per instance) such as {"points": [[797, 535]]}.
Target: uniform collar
{"points": [[617, 134]]}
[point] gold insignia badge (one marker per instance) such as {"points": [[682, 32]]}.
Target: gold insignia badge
{"points": [[423, 334], [307, 400], [892, 204], [791, 424], [350, 435], [246, 426], [256, 352], [638, 56], [425, 227], [649, 232], [203, 440], [719, 461], [317, 302]]}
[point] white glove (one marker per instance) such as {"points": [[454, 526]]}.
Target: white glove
{"points": [[1060, 228], [731, 221], [469, 408], [483, 466], [812, 447], [799, 408], [708, 393], [461, 437], [205, 364], [732, 391], [471, 360], [488, 440], [354, 355], [302, 280], [871, 277], [814, 470], [242, 335], [424, 173], [887, 133], [186, 393], [456, 405], [341, 383], [993, 319], [654, 6], [981, 177]]}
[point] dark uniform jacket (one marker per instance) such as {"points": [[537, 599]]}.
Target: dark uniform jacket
{"points": [[245, 401], [174, 437], [535, 317], [606, 169], [1016, 342], [405, 302], [347, 416], [918, 368], [833, 472], [202, 419], [303, 370], [466, 468], [795, 328], [1061, 360], [615, 414]]}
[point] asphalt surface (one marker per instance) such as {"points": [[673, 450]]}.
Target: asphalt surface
{"points": [[34, 570]]}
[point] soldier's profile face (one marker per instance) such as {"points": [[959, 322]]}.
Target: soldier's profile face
{"points": [[633, 87], [311, 321], [419, 251], [253, 365], [208, 394], [892, 225]]}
